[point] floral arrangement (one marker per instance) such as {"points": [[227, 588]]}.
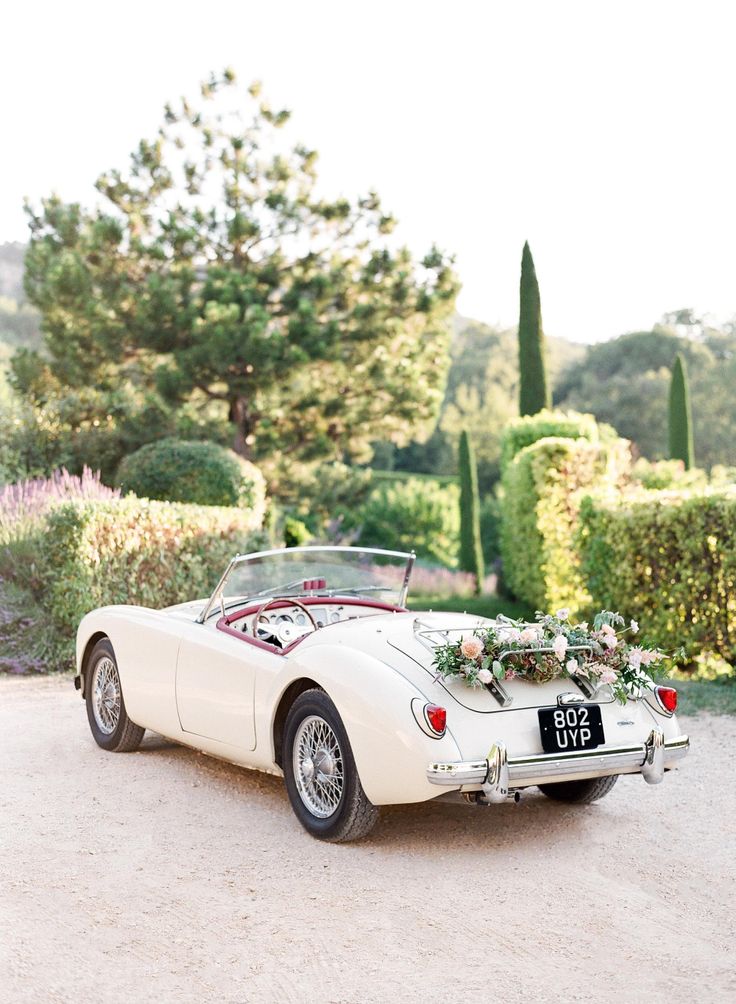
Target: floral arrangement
{"points": [[551, 648]]}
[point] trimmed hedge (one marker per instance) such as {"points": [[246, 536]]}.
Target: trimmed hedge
{"points": [[524, 431], [135, 551], [669, 560], [542, 487], [202, 473]]}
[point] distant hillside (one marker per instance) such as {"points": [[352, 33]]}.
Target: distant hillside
{"points": [[20, 323], [11, 270]]}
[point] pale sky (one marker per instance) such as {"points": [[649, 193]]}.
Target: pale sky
{"points": [[602, 132]]}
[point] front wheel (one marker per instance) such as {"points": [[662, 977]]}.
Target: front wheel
{"points": [[581, 792], [321, 778], [108, 719]]}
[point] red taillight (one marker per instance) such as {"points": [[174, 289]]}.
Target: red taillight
{"points": [[667, 697], [436, 718]]}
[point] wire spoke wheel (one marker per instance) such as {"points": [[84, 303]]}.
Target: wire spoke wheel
{"points": [[106, 699], [318, 767]]}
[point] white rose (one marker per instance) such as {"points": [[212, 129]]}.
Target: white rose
{"points": [[485, 675], [559, 646], [572, 666], [634, 627]]}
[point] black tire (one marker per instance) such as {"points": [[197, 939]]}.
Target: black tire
{"points": [[125, 736], [580, 792], [354, 815]]}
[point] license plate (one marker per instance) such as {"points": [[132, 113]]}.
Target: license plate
{"points": [[576, 727]]}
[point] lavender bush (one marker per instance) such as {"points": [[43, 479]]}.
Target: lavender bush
{"points": [[23, 504], [444, 583]]}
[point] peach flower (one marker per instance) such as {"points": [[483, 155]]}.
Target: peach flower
{"points": [[471, 647]]}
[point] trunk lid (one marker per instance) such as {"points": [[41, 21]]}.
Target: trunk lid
{"points": [[429, 629]]}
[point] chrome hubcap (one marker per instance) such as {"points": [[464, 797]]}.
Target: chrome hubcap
{"points": [[106, 695], [318, 767]]}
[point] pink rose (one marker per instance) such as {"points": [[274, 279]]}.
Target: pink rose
{"points": [[471, 647], [610, 641], [608, 676], [528, 636]]}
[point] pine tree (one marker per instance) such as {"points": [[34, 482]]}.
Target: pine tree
{"points": [[534, 392], [471, 552], [681, 422]]}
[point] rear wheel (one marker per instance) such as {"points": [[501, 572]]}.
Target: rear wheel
{"points": [[589, 790], [108, 719], [321, 778]]}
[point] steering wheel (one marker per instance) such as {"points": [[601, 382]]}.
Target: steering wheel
{"points": [[295, 603]]}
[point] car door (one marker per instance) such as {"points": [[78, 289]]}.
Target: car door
{"points": [[215, 684]]}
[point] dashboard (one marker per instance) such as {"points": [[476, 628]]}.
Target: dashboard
{"points": [[322, 616]]}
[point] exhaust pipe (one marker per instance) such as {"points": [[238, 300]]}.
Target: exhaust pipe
{"points": [[480, 799]]}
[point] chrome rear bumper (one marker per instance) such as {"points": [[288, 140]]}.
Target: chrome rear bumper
{"points": [[498, 772]]}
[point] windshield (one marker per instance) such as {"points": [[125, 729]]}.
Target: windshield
{"points": [[315, 571]]}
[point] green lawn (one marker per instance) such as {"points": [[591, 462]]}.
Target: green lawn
{"points": [[716, 696]]}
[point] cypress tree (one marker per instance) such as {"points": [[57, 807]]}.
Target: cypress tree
{"points": [[681, 421], [471, 552], [534, 394]]}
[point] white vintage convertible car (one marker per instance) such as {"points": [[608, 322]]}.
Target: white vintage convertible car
{"points": [[305, 662]]}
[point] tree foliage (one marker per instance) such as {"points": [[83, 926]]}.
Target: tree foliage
{"points": [[482, 396], [471, 551], [680, 416], [534, 392], [217, 273], [626, 383]]}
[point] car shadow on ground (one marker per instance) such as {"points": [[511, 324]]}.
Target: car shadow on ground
{"points": [[426, 826]]}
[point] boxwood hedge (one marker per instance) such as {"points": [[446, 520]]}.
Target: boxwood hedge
{"points": [[200, 472], [135, 551], [668, 560], [529, 429]]}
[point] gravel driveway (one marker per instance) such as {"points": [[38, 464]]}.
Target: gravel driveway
{"points": [[166, 875]]}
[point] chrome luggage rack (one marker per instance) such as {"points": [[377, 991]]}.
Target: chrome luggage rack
{"points": [[432, 638]]}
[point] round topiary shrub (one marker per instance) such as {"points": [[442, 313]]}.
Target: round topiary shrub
{"points": [[203, 473]]}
